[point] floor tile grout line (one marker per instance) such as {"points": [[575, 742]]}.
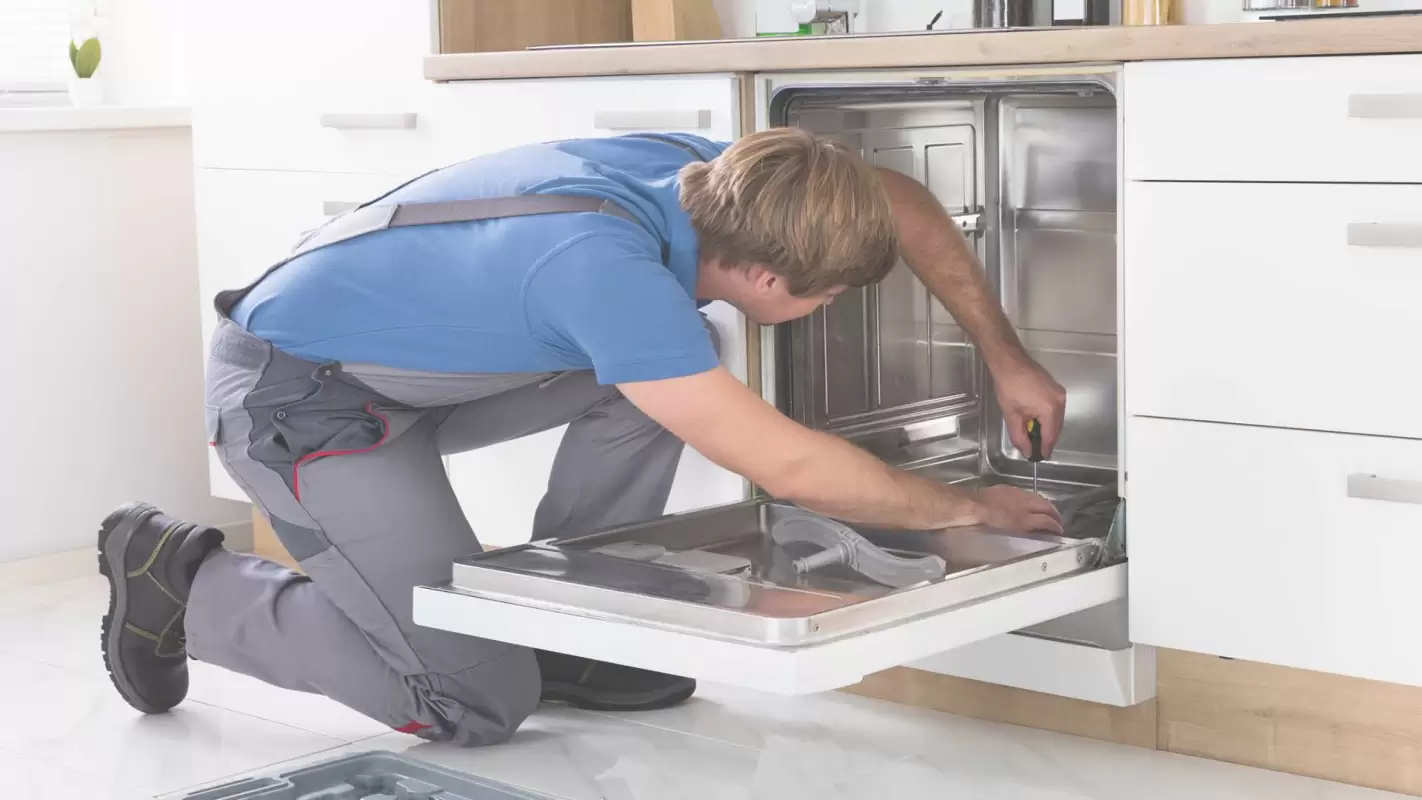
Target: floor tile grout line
{"points": [[228, 777], [62, 767], [703, 737], [343, 740]]}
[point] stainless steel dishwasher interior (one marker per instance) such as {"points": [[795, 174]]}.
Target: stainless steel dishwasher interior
{"points": [[887, 366], [1031, 173]]}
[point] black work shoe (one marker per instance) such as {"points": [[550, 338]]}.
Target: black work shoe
{"points": [[150, 560], [600, 686]]}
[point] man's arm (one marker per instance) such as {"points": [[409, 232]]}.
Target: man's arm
{"points": [[733, 427], [934, 248]]}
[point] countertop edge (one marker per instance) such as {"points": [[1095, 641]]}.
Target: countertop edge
{"points": [[1359, 36], [101, 118]]}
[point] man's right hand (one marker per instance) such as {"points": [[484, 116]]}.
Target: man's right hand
{"points": [[1018, 510], [738, 430]]}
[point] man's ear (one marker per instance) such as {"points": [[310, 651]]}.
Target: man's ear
{"points": [[763, 279]]}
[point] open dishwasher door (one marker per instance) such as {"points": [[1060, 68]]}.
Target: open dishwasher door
{"points": [[738, 595], [727, 595]]}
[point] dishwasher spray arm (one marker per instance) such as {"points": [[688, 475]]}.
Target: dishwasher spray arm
{"points": [[842, 545]]}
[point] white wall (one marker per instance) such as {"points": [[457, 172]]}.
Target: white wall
{"points": [[99, 336]]}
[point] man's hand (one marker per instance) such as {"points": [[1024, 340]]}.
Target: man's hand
{"points": [[736, 429], [1025, 392], [1016, 510]]}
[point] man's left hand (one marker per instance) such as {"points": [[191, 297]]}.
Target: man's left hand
{"points": [[1025, 392]]}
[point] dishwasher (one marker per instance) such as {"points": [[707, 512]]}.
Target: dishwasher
{"points": [[765, 595]]}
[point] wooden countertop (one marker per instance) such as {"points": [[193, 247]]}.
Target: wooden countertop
{"points": [[1050, 46]]}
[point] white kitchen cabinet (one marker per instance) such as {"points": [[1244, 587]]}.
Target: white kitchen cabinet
{"points": [[248, 220], [499, 487], [320, 85], [1271, 304], [1286, 547], [475, 117], [1337, 119]]}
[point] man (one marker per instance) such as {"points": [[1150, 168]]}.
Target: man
{"points": [[546, 285]]}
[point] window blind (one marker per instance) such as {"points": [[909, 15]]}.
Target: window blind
{"points": [[34, 45]]}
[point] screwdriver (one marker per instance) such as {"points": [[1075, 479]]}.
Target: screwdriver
{"points": [[1034, 435]]}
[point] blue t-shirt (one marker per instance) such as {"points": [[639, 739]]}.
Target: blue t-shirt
{"points": [[524, 294]]}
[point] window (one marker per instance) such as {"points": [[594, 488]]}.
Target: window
{"points": [[34, 48]]}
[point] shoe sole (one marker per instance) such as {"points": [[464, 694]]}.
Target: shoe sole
{"points": [[115, 533], [589, 700]]}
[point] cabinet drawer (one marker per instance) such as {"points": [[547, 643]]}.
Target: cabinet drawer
{"points": [[248, 220], [1275, 119], [482, 116], [1291, 306], [1286, 547]]}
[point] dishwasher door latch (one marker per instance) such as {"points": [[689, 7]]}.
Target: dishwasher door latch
{"points": [[970, 221]]}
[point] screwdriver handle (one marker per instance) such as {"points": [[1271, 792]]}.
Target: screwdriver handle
{"points": [[1034, 435]]}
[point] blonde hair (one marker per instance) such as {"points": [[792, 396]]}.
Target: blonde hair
{"points": [[808, 209]]}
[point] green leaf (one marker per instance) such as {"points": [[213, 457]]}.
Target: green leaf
{"points": [[86, 58]]}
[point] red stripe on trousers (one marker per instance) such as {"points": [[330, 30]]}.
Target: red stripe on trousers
{"points": [[296, 468]]}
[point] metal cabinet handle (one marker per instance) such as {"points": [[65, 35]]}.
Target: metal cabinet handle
{"points": [[1389, 490], [368, 121], [1385, 106], [1384, 234], [652, 119], [333, 207]]}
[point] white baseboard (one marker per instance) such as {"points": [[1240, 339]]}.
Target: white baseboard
{"points": [[55, 567], [51, 568], [1113, 677]]}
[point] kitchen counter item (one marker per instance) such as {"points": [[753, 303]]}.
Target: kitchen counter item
{"points": [[1006, 14], [483, 26], [368, 776], [940, 49], [1152, 12]]}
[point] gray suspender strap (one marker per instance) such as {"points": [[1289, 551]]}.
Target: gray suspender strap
{"points": [[371, 218], [376, 216]]}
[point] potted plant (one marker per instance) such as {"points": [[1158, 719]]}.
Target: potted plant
{"points": [[85, 90]]}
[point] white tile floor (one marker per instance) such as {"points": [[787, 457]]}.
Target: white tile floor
{"points": [[66, 734]]}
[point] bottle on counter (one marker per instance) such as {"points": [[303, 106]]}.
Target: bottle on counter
{"points": [[1146, 12]]}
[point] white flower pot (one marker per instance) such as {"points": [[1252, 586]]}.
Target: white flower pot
{"points": [[86, 92]]}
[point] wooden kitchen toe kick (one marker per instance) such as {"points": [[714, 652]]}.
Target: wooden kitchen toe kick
{"points": [[1337, 728], [266, 544]]}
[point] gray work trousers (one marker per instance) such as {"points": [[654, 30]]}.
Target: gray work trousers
{"points": [[345, 461]]}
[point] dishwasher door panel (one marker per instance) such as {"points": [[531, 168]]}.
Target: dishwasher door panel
{"points": [[718, 595]]}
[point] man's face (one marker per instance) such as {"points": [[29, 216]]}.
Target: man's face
{"points": [[766, 298]]}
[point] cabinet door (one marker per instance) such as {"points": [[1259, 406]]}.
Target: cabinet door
{"points": [[475, 117], [500, 486], [248, 220], [336, 85], [1280, 546]]}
